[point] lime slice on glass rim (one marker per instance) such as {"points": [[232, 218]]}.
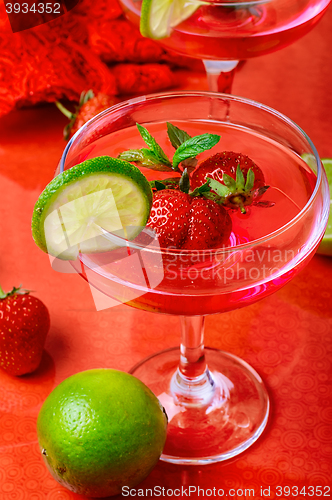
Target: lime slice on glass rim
{"points": [[80, 204], [325, 248], [158, 17]]}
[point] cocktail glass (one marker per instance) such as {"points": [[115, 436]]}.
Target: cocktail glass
{"points": [[222, 32], [216, 403]]}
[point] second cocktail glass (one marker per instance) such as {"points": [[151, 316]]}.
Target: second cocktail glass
{"points": [[216, 403], [223, 32]]}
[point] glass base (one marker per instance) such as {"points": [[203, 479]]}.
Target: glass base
{"points": [[224, 424]]}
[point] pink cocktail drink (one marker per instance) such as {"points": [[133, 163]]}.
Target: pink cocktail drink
{"points": [[217, 281]]}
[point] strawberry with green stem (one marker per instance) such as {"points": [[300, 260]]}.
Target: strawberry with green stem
{"points": [[89, 106], [24, 324], [233, 178]]}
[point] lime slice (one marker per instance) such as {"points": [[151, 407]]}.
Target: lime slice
{"points": [[325, 247], [74, 210], [158, 17]]}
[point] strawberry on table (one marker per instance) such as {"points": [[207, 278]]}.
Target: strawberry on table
{"points": [[24, 324], [89, 106]]}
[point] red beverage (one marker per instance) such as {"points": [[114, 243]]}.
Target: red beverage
{"points": [[208, 282], [234, 32]]}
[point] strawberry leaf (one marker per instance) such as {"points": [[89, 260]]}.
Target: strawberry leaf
{"points": [[214, 197], [229, 182], [146, 158], [176, 135], [68, 114], [218, 188], [15, 290], [153, 145], [84, 97], [193, 147], [250, 180], [239, 179]]}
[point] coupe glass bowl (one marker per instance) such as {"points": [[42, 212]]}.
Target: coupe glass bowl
{"points": [[216, 403]]}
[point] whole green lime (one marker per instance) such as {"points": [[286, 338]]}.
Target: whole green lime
{"points": [[100, 430]]}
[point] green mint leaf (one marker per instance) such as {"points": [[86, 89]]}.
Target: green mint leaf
{"points": [[132, 155], [176, 135], [204, 188], [184, 183], [218, 188], [171, 182], [239, 179], [145, 158], [153, 145], [250, 180], [168, 183], [159, 185], [194, 146]]}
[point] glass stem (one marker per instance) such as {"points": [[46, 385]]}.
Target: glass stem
{"points": [[192, 357], [220, 75], [192, 384]]}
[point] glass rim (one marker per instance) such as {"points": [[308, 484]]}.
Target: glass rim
{"points": [[208, 94]]}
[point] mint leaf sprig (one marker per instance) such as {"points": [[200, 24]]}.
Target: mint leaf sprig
{"points": [[177, 138], [194, 146], [146, 158], [186, 150], [176, 135]]}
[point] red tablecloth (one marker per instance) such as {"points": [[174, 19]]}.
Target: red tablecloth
{"points": [[287, 337]]}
